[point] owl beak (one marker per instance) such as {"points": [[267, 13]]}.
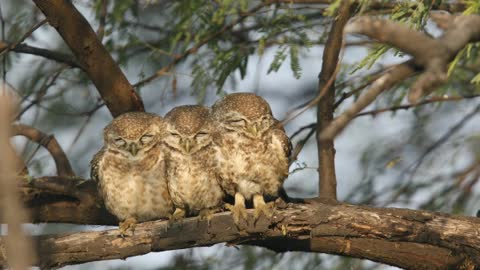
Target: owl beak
{"points": [[133, 149], [253, 130], [187, 145]]}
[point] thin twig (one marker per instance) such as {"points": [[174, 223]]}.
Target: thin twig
{"points": [[424, 102], [443, 139], [25, 36], [102, 20], [197, 46]]}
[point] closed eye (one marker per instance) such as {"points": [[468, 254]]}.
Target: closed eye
{"points": [[146, 138], [175, 134], [120, 142], [237, 122], [201, 135]]}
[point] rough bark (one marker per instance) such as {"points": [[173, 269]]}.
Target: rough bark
{"points": [[106, 75], [405, 238], [325, 107]]}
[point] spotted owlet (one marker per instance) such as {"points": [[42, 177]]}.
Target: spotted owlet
{"points": [[130, 169], [192, 181], [254, 151]]}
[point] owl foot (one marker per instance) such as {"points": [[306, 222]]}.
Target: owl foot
{"points": [[261, 207], [127, 227], [238, 213], [178, 215], [206, 214]]}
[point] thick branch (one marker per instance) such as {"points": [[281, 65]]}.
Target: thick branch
{"points": [[113, 86], [50, 143], [405, 238], [325, 107]]}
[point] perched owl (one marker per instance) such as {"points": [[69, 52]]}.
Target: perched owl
{"points": [[254, 151], [130, 169], [191, 175]]}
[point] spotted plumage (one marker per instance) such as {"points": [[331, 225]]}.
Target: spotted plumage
{"points": [[254, 151], [130, 168], [191, 174]]}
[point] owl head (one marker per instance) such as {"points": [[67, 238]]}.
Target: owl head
{"points": [[244, 113], [188, 129], [133, 134]]}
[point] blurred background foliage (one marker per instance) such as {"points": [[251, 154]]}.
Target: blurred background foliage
{"points": [[426, 157]]}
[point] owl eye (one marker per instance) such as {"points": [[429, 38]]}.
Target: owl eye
{"points": [[146, 138], [201, 135], [120, 142], [176, 135], [237, 122]]}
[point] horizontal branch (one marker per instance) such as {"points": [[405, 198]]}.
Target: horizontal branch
{"points": [[409, 239], [404, 238], [55, 56]]}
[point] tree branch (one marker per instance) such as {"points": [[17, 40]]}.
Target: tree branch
{"points": [[325, 107], [405, 238], [106, 75], [431, 55], [56, 56], [50, 143]]}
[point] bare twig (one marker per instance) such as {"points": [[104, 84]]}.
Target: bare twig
{"points": [[55, 56], [25, 36], [102, 20], [19, 249], [421, 103], [50, 143], [443, 139], [386, 81]]}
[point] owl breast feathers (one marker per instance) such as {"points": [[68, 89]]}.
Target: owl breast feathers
{"points": [[254, 149], [130, 168], [192, 180], [150, 166]]}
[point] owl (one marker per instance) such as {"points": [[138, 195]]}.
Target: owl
{"points": [[254, 152], [130, 170], [191, 164]]}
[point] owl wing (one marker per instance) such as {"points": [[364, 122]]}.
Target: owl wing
{"points": [[279, 133], [95, 164]]}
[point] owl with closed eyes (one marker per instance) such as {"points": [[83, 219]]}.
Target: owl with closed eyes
{"points": [[254, 152], [191, 164], [130, 170]]}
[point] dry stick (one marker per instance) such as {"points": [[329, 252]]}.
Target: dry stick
{"points": [[195, 48], [50, 143], [325, 108], [19, 249], [103, 71]]}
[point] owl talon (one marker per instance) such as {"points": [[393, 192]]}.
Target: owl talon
{"points": [[238, 213], [265, 209], [261, 207], [206, 214], [127, 227], [178, 215]]}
